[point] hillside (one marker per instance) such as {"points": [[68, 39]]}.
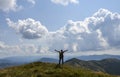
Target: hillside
{"points": [[40, 69], [111, 65]]}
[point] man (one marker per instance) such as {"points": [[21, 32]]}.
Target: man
{"points": [[61, 55]]}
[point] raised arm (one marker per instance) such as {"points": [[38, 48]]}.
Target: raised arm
{"points": [[57, 50]]}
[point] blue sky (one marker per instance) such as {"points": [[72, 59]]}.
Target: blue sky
{"points": [[57, 20], [54, 16]]}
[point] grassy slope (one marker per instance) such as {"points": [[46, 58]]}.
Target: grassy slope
{"points": [[110, 65], [39, 69]]}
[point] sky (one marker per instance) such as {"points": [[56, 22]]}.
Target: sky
{"points": [[38, 27]]}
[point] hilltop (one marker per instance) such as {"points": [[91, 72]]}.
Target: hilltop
{"points": [[109, 65], [41, 69]]}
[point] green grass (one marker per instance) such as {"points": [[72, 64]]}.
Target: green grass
{"points": [[39, 69]]}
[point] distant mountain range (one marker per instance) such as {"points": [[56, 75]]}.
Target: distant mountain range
{"points": [[104, 63], [97, 57], [7, 63], [110, 65], [19, 60], [50, 60]]}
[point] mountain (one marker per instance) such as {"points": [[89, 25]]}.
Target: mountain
{"points": [[41, 69], [50, 60], [7, 63], [19, 60], [22, 59], [110, 65], [98, 57]]}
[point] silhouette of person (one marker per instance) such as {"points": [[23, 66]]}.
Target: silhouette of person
{"points": [[61, 56]]}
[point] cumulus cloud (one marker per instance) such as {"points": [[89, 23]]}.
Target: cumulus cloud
{"points": [[109, 25], [21, 49], [28, 28], [7, 5], [5, 47], [99, 32], [65, 2]]}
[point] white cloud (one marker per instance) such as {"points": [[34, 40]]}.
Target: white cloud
{"points": [[12, 50], [99, 32], [65, 2], [5, 47], [28, 28], [31, 1], [109, 26], [9, 5]]}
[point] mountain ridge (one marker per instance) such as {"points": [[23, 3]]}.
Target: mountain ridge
{"points": [[41, 69], [110, 65]]}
